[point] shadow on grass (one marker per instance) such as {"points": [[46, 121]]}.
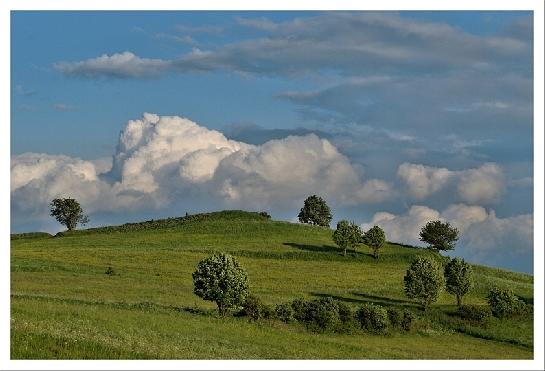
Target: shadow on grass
{"points": [[315, 248], [369, 299]]}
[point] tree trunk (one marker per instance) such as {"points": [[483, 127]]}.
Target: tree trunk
{"points": [[345, 251], [459, 300], [375, 253]]}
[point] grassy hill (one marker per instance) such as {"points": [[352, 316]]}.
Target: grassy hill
{"points": [[64, 305]]}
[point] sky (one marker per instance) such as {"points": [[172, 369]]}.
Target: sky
{"points": [[395, 118]]}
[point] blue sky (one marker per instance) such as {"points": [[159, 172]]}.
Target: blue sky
{"points": [[428, 115]]}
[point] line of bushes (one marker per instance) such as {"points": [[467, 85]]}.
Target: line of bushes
{"points": [[330, 315]]}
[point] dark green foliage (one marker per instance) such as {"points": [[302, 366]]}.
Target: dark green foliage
{"points": [[284, 312], [474, 313], [503, 303], [441, 236], [265, 214], [315, 211], [458, 278], [424, 281], [375, 239], [395, 317], [219, 278], [323, 314], [408, 319], [300, 309], [347, 235], [372, 318], [110, 271], [68, 212], [253, 308], [269, 311]]}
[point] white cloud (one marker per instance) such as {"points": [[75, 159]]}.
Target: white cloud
{"points": [[482, 233], [484, 184], [120, 65], [163, 160]]}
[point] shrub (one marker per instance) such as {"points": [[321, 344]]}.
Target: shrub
{"points": [[253, 307], [323, 314], [407, 322], [503, 303], [374, 238], [110, 271], [440, 236], [219, 278], [424, 281], [474, 313], [315, 211], [265, 214], [284, 312], [269, 312], [347, 235], [395, 317], [300, 309], [372, 318], [346, 316], [459, 278]]}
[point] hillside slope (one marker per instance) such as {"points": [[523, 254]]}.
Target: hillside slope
{"points": [[64, 305]]}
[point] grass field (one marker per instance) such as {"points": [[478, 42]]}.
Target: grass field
{"points": [[64, 306]]}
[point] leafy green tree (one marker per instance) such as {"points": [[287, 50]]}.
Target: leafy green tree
{"points": [[441, 236], [374, 238], [220, 278], [315, 211], [68, 212], [424, 281], [347, 235], [504, 303], [459, 278]]}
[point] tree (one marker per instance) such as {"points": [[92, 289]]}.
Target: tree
{"points": [[424, 281], [220, 278], [347, 235], [504, 303], [315, 211], [68, 212], [459, 278], [440, 236], [374, 238]]}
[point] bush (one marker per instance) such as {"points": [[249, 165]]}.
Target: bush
{"points": [[300, 309], [474, 313], [284, 312], [424, 281], [253, 308], [372, 318], [395, 317], [265, 214], [219, 278], [269, 312], [110, 271], [346, 316], [503, 303], [323, 314], [407, 322]]}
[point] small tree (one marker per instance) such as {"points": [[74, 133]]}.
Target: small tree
{"points": [[459, 278], [219, 278], [503, 302], [440, 236], [374, 238], [68, 212], [424, 281], [315, 211], [347, 235]]}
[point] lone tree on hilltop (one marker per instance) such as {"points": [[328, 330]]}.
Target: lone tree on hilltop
{"points": [[315, 211], [68, 212], [374, 238], [347, 235], [441, 236], [424, 281], [459, 278], [220, 278]]}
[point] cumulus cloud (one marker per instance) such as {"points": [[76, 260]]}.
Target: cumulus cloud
{"points": [[484, 237], [118, 65], [484, 184], [163, 160]]}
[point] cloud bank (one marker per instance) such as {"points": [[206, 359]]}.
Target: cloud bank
{"points": [[160, 161]]}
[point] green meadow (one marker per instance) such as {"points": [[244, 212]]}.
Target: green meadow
{"points": [[65, 306]]}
